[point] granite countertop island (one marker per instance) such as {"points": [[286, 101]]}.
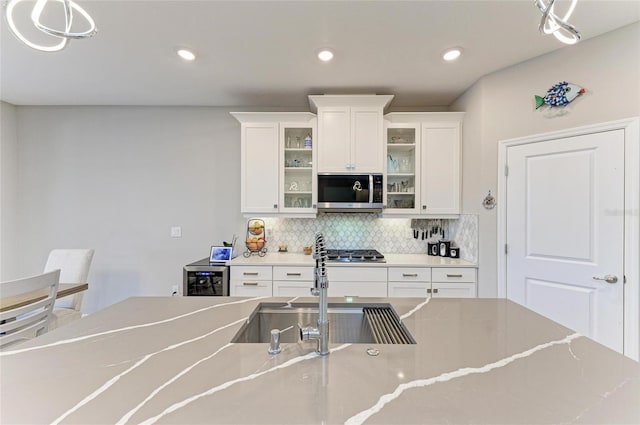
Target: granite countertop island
{"points": [[170, 360]]}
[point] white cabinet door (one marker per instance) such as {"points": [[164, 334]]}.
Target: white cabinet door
{"points": [[292, 281], [357, 289], [292, 288], [409, 282], [298, 177], [453, 282], [367, 141], [259, 168], [453, 290], [357, 274], [409, 289], [334, 133], [250, 288], [402, 189], [350, 139], [440, 167], [357, 281], [251, 281]]}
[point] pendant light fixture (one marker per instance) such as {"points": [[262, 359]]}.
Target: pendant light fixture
{"points": [[550, 23], [70, 10]]}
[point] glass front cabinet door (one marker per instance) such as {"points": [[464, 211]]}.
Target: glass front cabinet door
{"points": [[402, 169], [298, 165]]}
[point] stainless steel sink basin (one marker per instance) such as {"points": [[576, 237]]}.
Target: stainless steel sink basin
{"points": [[348, 323]]}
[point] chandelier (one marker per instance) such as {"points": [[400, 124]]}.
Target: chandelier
{"points": [[550, 23], [70, 10]]}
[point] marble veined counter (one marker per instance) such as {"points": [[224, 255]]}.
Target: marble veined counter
{"points": [[170, 360], [392, 260]]}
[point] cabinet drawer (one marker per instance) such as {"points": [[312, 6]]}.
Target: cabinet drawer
{"points": [[453, 275], [251, 272], [293, 273], [357, 274], [250, 288], [409, 274], [291, 288]]}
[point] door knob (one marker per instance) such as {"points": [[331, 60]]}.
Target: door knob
{"points": [[608, 278]]}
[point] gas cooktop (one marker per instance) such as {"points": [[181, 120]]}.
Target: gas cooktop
{"points": [[355, 256]]}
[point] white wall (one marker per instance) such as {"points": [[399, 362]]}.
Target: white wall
{"points": [[8, 191], [116, 179], [500, 106]]}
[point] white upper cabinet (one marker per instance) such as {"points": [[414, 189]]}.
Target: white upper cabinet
{"points": [[350, 133], [440, 188], [277, 171], [434, 182], [402, 190], [259, 168], [298, 192]]}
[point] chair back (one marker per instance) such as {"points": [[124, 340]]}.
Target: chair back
{"points": [[30, 316], [74, 268]]}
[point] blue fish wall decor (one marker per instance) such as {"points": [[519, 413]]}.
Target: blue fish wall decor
{"points": [[559, 95]]}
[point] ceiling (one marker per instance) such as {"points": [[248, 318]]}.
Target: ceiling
{"points": [[263, 53]]}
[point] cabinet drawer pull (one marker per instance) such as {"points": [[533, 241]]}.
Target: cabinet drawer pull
{"points": [[429, 291], [250, 283], [435, 291], [409, 274], [250, 273], [454, 275], [294, 274]]}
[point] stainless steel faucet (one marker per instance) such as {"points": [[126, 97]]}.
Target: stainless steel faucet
{"points": [[320, 285]]}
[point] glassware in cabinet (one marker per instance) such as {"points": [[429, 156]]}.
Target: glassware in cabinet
{"points": [[401, 167], [298, 168]]}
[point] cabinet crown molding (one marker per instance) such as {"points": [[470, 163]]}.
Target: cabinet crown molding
{"points": [[257, 117], [328, 100], [411, 117]]}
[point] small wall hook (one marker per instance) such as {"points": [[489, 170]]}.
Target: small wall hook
{"points": [[489, 202]]}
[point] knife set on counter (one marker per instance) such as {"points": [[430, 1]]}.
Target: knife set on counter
{"points": [[434, 232]]}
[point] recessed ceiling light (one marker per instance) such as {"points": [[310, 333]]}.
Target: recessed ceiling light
{"points": [[325, 55], [186, 54], [452, 54]]}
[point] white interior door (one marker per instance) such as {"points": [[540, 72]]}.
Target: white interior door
{"points": [[565, 232]]}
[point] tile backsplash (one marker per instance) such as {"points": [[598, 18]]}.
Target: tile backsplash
{"points": [[369, 231]]}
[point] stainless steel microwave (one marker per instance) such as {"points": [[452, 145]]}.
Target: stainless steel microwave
{"points": [[350, 192]]}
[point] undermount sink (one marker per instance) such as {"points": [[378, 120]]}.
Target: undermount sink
{"points": [[348, 323]]}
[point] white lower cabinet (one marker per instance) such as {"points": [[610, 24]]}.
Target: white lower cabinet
{"points": [[357, 281], [292, 281], [425, 282], [251, 281], [453, 282], [410, 282]]}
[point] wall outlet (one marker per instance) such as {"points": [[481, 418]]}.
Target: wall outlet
{"points": [[269, 233], [176, 232], [174, 290]]}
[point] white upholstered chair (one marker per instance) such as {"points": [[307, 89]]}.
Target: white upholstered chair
{"points": [[30, 317], [74, 268]]}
